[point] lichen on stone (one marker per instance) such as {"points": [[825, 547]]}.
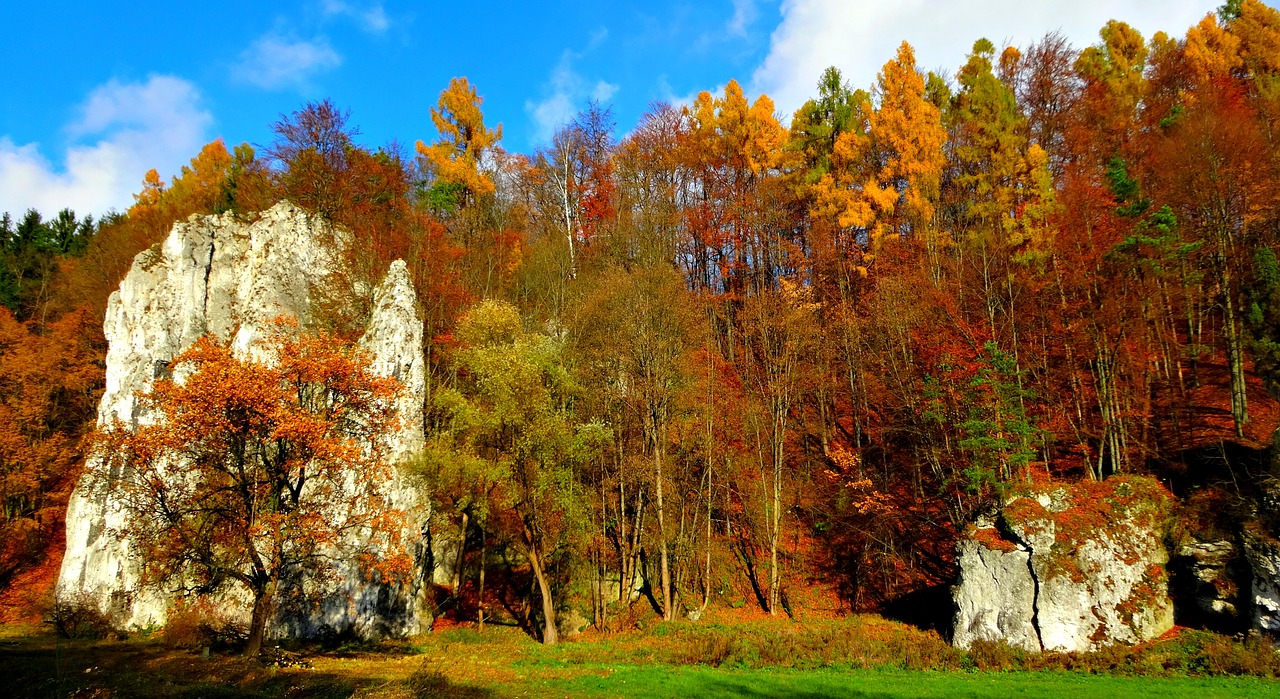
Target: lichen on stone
{"points": [[1096, 558]]}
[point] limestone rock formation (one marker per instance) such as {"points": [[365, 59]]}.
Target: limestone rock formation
{"points": [[217, 275], [1067, 569], [996, 597], [1263, 554], [1206, 579]]}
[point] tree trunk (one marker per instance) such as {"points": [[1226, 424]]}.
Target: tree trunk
{"points": [[480, 587], [258, 621], [550, 635], [1235, 350], [776, 524], [706, 574], [455, 581], [667, 614]]}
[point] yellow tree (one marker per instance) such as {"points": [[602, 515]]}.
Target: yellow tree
{"points": [[1210, 51], [456, 160], [1258, 28], [1115, 85], [887, 181], [735, 147], [198, 188], [202, 187], [834, 253], [996, 178]]}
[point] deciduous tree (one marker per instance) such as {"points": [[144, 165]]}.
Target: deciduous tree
{"points": [[259, 475], [458, 161], [510, 421]]}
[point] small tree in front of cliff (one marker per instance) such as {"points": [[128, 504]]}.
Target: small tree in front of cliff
{"points": [[263, 475]]}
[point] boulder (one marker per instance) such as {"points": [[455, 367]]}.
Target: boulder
{"points": [[1067, 568], [230, 278]]}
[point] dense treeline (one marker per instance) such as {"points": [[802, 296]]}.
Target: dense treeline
{"points": [[724, 359]]}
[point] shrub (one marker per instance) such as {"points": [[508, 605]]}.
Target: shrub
{"points": [[198, 625], [79, 616], [1252, 656]]}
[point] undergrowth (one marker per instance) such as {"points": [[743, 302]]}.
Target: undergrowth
{"points": [[870, 642]]}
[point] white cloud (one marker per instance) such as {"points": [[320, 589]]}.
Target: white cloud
{"points": [[744, 13], [860, 36], [158, 123], [598, 36], [274, 62], [375, 19], [567, 91], [372, 18], [603, 92]]}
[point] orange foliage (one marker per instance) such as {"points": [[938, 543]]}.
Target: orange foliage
{"points": [[49, 385], [213, 182], [458, 157], [251, 471], [1094, 215]]}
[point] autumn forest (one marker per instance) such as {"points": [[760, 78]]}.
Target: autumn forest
{"points": [[737, 359]]}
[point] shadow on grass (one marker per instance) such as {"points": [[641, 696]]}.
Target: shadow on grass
{"points": [[752, 689], [433, 684], [43, 666]]}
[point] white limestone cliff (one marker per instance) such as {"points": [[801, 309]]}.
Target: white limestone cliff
{"points": [[218, 275]]}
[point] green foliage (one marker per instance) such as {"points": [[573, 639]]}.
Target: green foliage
{"points": [[1155, 245], [243, 162], [998, 435], [444, 198], [507, 445], [1127, 190], [1175, 113], [1262, 319], [819, 122], [1229, 11], [30, 253]]}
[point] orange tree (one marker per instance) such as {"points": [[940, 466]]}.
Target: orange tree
{"points": [[49, 385], [259, 474]]}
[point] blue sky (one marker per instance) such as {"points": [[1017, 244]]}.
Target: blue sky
{"points": [[93, 94]]}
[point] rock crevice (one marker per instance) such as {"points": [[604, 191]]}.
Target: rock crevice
{"points": [[1035, 581]]}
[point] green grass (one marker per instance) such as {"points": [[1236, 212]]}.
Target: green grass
{"points": [[656, 682]]}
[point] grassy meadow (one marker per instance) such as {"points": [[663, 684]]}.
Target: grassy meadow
{"points": [[863, 656]]}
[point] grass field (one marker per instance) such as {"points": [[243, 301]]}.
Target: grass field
{"points": [[658, 682], [861, 657]]}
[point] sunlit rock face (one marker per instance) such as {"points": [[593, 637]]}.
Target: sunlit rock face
{"points": [[1067, 569], [232, 278], [1263, 553]]}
